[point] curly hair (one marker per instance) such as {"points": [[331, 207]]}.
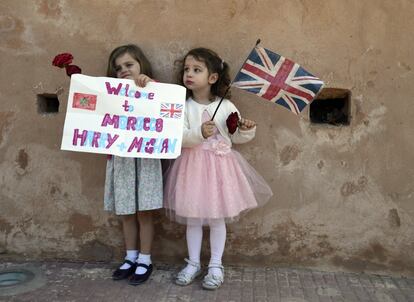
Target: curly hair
{"points": [[214, 65]]}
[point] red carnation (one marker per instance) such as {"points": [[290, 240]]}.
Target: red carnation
{"points": [[62, 60], [72, 69], [232, 122]]}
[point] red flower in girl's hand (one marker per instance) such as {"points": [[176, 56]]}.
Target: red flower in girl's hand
{"points": [[62, 60], [72, 69], [232, 122]]}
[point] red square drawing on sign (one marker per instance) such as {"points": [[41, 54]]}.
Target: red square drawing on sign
{"points": [[84, 101]]}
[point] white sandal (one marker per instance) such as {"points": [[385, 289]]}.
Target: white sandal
{"points": [[183, 278], [213, 281]]}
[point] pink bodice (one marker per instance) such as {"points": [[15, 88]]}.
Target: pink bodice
{"points": [[215, 143]]}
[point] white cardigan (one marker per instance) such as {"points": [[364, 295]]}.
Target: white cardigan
{"points": [[192, 123]]}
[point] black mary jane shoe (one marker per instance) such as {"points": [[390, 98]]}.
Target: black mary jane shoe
{"points": [[120, 274], [139, 279]]}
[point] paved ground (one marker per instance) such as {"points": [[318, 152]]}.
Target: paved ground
{"points": [[57, 281]]}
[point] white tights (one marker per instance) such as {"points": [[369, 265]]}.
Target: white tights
{"points": [[217, 243]]}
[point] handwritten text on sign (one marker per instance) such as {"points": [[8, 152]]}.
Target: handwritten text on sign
{"points": [[113, 116]]}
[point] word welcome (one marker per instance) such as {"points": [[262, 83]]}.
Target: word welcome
{"points": [[125, 91]]}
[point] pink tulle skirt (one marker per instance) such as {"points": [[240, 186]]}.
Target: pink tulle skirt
{"points": [[205, 184]]}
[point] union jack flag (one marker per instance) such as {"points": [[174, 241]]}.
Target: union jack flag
{"points": [[171, 110], [278, 79]]}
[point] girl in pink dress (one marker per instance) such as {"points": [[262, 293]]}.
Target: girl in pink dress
{"points": [[210, 183]]}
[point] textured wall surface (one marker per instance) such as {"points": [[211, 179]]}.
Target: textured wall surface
{"points": [[343, 195]]}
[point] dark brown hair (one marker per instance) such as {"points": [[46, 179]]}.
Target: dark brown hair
{"points": [[214, 65], [135, 52]]}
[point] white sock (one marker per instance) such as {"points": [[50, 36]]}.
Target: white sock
{"points": [[131, 256], [144, 259], [194, 238], [217, 243]]}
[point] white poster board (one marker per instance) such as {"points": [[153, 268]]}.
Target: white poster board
{"points": [[114, 116]]}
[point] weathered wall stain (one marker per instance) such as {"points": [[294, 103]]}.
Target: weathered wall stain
{"points": [[50, 8], [357, 264], [289, 235], [394, 219], [11, 29], [320, 164], [323, 249], [288, 154], [22, 159], [5, 122], [51, 200], [55, 190], [375, 251], [351, 187], [80, 224], [5, 226], [374, 256], [96, 251], [290, 242], [232, 9], [405, 66]]}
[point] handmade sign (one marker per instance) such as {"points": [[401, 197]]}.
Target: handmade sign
{"points": [[114, 116]]}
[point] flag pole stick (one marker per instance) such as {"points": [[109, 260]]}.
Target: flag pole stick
{"points": [[231, 83]]}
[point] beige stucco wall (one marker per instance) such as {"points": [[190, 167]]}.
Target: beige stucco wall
{"points": [[343, 195]]}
